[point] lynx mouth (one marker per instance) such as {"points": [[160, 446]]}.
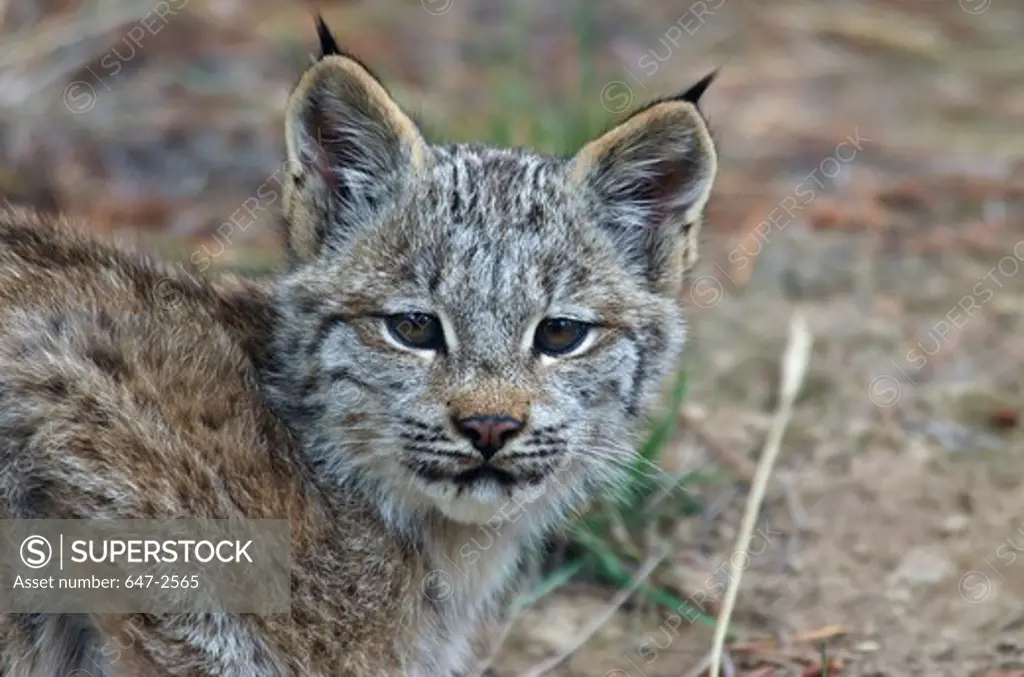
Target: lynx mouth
{"points": [[482, 473]]}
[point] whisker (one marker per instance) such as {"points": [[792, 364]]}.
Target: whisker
{"points": [[424, 437], [419, 449], [537, 440], [550, 429], [420, 424], [626, 459], [540, 453]]}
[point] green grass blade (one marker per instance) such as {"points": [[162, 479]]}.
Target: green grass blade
{"points": [[664, 429], [548, 585]]}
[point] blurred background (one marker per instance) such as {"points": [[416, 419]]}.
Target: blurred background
{"points": [[871, 175]]}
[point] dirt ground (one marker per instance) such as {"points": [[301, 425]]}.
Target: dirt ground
{"points": [[871, 176]]}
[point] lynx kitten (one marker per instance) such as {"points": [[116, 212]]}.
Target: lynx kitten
{"points": [[464, 349]]}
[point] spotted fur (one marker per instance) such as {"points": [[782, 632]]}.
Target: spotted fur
{"points": [[490, 241], [116, 403]]}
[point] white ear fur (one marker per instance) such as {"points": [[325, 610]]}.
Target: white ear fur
{"points": [[649, 179], [660, 163], [350, 147]]}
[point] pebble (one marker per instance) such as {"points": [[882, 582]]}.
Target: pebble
{"points": [[955, 524], [921, 566]]}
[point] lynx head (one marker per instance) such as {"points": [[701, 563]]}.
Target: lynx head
{"points": [[461, 323]]}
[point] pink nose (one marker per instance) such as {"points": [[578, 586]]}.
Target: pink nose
{"points": [[489, 433]]}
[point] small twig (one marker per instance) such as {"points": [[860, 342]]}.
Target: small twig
{"points": [[496, 646], [728, 666], [818, 635], [702, 665], [794, 367], [667, 488], [516, 610], [799, 517], [796, 508], [737, 462], [617, 601]]}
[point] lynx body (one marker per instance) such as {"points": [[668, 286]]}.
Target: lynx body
{"points": [[462, 352]]}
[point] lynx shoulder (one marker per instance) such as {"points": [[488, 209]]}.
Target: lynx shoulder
{"points": [[462, 353], [129, 390]]}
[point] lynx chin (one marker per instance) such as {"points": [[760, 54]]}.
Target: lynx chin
{"points": [[466, 338]]}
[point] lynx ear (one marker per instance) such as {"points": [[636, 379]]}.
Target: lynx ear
{"points": [[648, 180], [350, 150]]}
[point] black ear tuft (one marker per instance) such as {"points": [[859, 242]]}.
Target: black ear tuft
{"points": [[328, 45], [694, 93]]}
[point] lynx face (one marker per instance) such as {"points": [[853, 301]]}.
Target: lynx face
{"points": [[467, 324]]}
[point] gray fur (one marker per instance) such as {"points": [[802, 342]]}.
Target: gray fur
{"points": [[491, 241], [396, 565]]}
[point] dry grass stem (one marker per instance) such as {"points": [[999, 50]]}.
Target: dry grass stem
{"points": [[649, 565], [794, 368]]}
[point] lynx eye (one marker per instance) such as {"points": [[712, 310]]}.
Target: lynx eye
{"points": [[558, 336], [416, 330]]}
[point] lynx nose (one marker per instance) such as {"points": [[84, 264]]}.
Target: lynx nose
{"points": [[489, 433]]}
